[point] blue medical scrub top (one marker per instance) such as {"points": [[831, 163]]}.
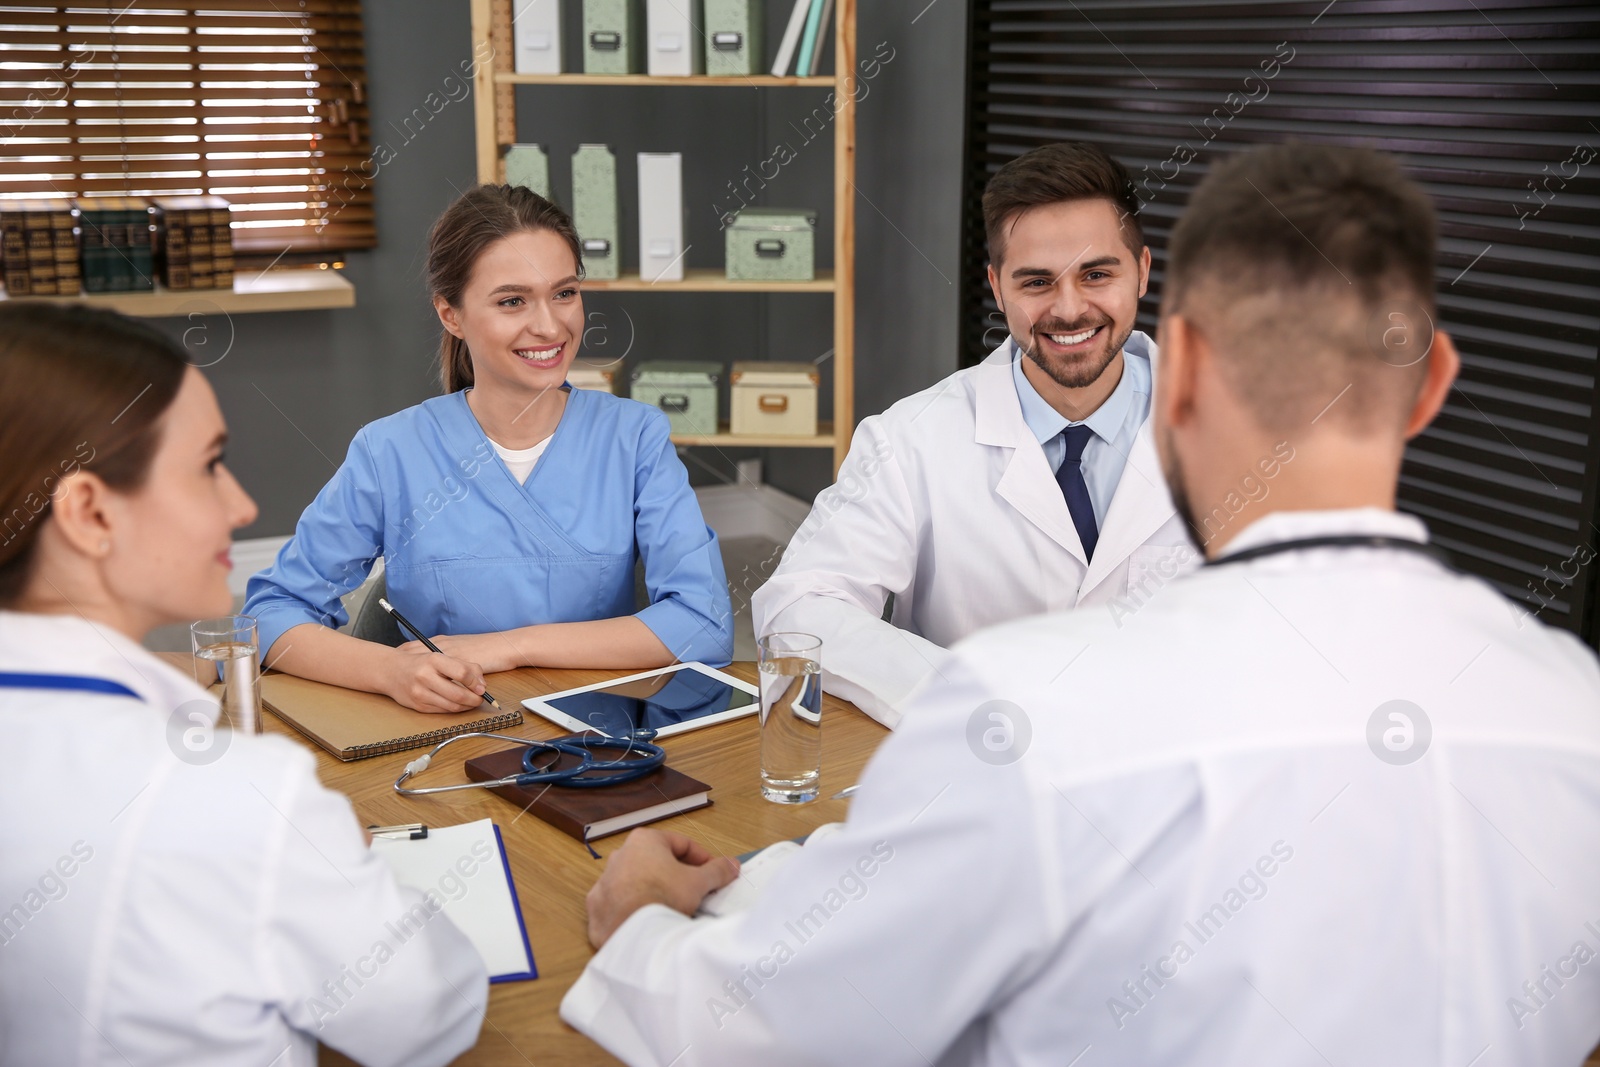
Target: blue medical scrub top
{"points": [[467, 549]]}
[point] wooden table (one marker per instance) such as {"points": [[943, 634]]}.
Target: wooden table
{"points": [[553, 871]]}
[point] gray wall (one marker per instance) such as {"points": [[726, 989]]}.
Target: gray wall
{"points": [[296, 386]]}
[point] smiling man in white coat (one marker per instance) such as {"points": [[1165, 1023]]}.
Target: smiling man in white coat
{"points": [[1326, 801], [1028, 483]]}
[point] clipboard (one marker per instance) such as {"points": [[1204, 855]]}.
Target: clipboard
{"points": [[466, 869]]}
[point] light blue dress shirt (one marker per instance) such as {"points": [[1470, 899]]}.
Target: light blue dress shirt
{"points": [[1115, 423]]}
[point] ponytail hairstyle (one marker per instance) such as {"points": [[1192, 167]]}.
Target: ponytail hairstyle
{"points": [[477, 219], [80, 389]]}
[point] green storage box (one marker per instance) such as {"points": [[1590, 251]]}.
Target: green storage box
{"points": [[613, 37], [594, 209], [772, 244], [685, 389], [734, 37]]}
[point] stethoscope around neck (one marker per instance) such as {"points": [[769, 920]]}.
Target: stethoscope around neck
{"points": [[639, 758], [1275, 548]]}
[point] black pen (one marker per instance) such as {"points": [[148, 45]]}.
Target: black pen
{"points": [[420, 636]]}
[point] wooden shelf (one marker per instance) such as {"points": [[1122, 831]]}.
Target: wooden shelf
{"points": [[496, 96], [692, 81], [700, 280], [273, 290], [823, 439]]}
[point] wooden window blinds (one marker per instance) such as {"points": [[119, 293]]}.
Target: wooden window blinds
{"points": [[1493, 105], [261, 102]]}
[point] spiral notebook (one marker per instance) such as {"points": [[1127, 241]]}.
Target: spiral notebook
{"points": [[354, 725]]}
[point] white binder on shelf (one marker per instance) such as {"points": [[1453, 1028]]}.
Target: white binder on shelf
{"points": [[536, 36], [675, 48], [661, 247], [791, 38]]}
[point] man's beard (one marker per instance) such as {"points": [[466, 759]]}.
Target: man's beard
{"points": [[1076, 375]]}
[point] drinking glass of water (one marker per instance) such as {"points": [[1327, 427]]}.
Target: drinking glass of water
{"points": [[791, 717], [226, 651]]}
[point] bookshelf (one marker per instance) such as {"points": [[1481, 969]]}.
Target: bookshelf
{"points": [[273, 290], [744, 81], [709, 280], [494, 95]]}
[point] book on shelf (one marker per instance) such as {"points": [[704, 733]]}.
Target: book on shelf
{"points": [[118, 256], [39, 248], [822, 38], [194, 242], [810, 40], [791, 38]]}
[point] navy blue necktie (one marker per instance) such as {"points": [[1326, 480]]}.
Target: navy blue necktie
{"points": [[1070, 477]]}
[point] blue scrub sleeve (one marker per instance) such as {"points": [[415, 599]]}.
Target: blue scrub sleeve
{"points": [[331, 553], [689, 607]]}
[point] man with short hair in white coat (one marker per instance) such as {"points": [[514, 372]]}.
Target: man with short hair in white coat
{"points": [[1326, 801], [1028, 483]]}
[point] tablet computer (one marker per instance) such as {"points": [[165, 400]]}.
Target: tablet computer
{"points": [[670, 700]]}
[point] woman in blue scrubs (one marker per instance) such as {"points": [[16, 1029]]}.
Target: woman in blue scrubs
{"points": [[509, 510]]}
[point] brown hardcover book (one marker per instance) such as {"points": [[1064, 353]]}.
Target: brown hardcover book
{"points": [[199, 240], [591, 813], [354, 725]]}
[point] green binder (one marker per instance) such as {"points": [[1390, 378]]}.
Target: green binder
{"points": [[594, 209]]}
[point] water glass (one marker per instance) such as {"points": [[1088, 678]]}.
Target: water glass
{"points": [[790, 673], [226, 651]]}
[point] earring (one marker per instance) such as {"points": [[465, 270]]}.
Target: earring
{"points": [[105, 546]]}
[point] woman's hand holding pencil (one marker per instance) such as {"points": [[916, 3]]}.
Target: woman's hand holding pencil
{"points": [[432, 680]]}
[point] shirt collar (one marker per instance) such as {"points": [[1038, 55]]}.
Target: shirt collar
{"points": [[1280, 526], [1046, 422]]}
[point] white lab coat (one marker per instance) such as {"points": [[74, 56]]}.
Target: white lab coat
{"points": [[1198, 858], [947, 502], [157, 911]]}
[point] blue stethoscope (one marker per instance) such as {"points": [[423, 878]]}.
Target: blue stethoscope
{"points": [[639, 757]]}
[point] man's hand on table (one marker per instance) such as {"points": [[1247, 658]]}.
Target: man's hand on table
{"points": [[654, 867]]}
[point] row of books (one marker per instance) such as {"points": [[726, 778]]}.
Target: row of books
{"points": [[806, 34], [114, 244], [39, 248]]}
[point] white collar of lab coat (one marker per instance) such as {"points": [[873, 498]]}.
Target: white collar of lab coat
{"points": [[1140, 506], [69, 644], [1278, 526]]}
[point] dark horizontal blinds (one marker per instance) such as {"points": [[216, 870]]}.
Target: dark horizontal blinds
{"points": [[261, 102], [1491, 104]]}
